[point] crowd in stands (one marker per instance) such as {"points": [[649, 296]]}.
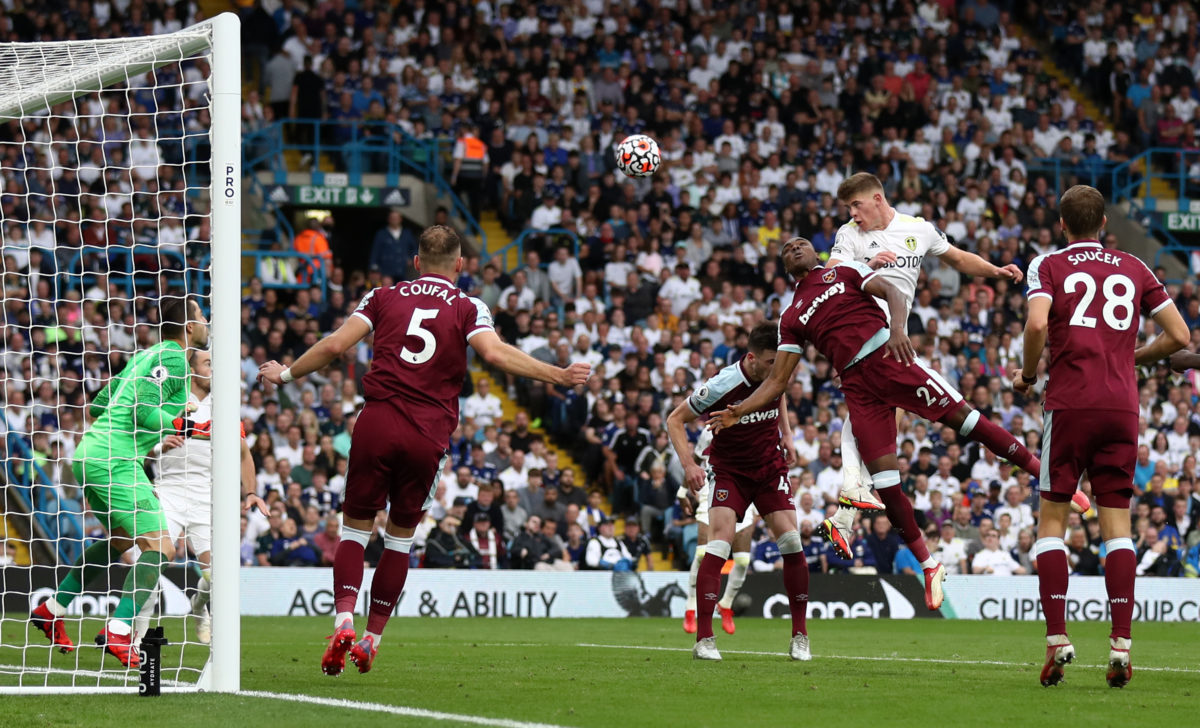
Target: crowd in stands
{"points": [[761, 110]]}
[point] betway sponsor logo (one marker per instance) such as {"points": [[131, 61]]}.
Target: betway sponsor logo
{"points": [[834, 290], [760, 416], [896, 604]]}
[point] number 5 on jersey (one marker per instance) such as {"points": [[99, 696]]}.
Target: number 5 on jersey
{"points": [[429, 344]]}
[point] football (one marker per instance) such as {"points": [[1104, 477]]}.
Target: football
{"points": [[638, 156]]}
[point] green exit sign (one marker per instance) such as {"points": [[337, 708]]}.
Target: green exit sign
{"points": [[339, 196], [1183, 222]]}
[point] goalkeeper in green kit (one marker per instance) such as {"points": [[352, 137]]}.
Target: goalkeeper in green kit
{"points": [[132, 414]]}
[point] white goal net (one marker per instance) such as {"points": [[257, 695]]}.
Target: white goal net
{"points": [[121, 186]]}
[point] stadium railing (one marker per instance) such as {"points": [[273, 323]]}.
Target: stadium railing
{"points": [[54, 518], [130, 276], [1156, 175], [518, 244], [357, 148]]}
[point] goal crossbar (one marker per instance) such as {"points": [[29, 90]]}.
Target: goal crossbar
{"points": [[36, 76]]}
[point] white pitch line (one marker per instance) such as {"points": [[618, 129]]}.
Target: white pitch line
{"points": [[397, 710], [100, 674], [871, 658], [863, 658]]}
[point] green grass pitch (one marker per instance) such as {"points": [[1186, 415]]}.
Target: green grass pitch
{"points": [[907, 673]]}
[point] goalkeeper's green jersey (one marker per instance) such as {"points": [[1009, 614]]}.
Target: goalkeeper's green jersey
{"points": [[136, 409]]}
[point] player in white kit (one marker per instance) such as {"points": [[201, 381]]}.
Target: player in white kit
{"points": [[896, 245], [184, 487], [740, 553]]}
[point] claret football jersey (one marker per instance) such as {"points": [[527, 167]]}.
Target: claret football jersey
{"points": [[1098, 298], [422, 329]]}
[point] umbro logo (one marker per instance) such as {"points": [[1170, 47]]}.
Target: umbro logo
{"points": [[945, 401]]}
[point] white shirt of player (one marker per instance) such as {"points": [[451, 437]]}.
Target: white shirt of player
{"points": [[188, 467], [909, 238]]}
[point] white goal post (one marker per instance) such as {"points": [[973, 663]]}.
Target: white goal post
{"points": [[182, 175]]}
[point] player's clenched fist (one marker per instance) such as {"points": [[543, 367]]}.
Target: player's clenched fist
{"points": [[694, 477], [574, 375], [1011, 272], [271, 371]]}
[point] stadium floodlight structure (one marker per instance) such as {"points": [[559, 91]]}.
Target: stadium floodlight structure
{"points": [[121, 168]]}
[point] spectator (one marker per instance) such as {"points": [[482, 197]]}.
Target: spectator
{"points": [[289, 548], [994, 560], [637, 545], [393, 248], [513, 515], [484, 540], [327, 539], [606, 552], [531, 549], [445, 550]]}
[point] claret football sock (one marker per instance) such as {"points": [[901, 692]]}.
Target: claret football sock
{"points": [[1001, 442], [1053, 572], [900, 512], [388, 583], [348, 568], [708, 584], [1120, 568]]}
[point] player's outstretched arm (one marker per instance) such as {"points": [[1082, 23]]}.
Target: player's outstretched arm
{"points": [[693, 474], [250, 498], [1181, 361], [1174, 337], [785, 431], [322, 354], [771, 389], [971, 264], [898, 345], [1037, 325], [514, 361]]}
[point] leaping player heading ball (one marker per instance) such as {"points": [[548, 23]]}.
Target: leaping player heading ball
{"points": [[422, 329], [835, 309], [895, 245]]}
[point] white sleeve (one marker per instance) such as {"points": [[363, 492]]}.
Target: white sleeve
{"points": [[483, 318], [938, 244], [845, 247]]}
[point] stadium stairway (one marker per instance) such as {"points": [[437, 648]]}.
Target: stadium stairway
{"points": [[1157, 188], [9, 533], [565, 460], [498, 239]]}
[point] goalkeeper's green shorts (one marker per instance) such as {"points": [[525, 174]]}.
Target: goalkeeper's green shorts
{"points": [[118, 497]]}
